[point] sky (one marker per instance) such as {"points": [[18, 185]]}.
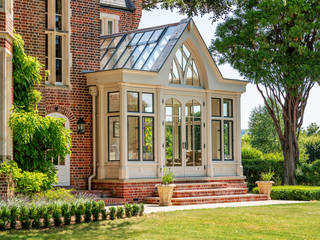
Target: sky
{"points": [[251, 98]]}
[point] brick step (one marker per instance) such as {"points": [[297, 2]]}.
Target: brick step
{"points": [[110, 201], [237, 185], [94, 193], [200, 185], [209, 192], [211, 199]]}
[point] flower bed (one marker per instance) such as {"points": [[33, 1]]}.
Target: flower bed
{"points": [[23, 213], [303, 193]]}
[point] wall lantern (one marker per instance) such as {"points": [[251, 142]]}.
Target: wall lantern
{"points": [[81, 125]]}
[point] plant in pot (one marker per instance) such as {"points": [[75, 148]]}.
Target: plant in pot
{"points": [[165, 189], [265, 185]]}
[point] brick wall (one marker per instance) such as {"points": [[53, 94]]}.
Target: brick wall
{"points": [[74, 101], [4, 188]]}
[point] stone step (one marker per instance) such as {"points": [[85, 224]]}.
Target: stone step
{"points": [[209, 192], [211, 199], [200, 185]]}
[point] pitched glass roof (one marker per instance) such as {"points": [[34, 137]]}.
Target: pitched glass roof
{"points": [[142, 49]]}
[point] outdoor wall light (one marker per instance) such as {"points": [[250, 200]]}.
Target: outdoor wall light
{"points": [[81, 125]]}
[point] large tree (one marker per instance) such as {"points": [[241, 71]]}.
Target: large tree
{"points": [[275, 44]]}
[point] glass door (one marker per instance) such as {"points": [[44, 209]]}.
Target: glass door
{"points": [[184, 137]]}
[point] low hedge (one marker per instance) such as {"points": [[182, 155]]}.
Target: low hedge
{"points": [[303, 193], [252, 169]]}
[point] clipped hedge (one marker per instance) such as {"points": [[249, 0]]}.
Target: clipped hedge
{"points": [[253, 168], [303, 193]]}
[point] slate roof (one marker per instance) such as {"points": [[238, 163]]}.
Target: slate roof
{"points": [[143, 49], [120, 4]]}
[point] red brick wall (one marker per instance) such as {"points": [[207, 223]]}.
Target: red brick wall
{"points": [[75, 101], [4, 188], [128, 20]]}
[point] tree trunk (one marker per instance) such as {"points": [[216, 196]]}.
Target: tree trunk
{"points": [[290, 154]]}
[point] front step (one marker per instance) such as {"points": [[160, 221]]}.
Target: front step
{"points": [[206, 185], [211, 199], [209, 192], [110, 201]]}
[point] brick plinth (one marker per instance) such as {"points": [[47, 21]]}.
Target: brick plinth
{"points": [[4, 188]]}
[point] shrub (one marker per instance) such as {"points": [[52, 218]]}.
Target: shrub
{"points": [[57, 214], [141, 209], [120, 212], [309, 174], [57, 194], [24, 218], [79, 212], [95, 211], [253, 168], [4, 217], [303, 193], [112, 213], [135, 210], [87, 212], [67, 217], [250, 153], [312, 145], [35, 217], [73, 209], [46, 218], [128, 210], [14, 214]]}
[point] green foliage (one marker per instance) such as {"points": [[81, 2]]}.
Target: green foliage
{"points": [[128, 210], [14, 214], [112, 213], [263, 135], [87, 212], [24, 218], [120, 212], [167, 178], [95, 211], [135, 210], [312, 145], [4, 217], [57, 214], [267, 176], [250, 153], [56, 194], [253, 168], [46, 219], [79, 212], [37, 140], [303, 193], [141, 209], [313, 129], [10, 170], [245, 141], [309, 173], [36, 217]]}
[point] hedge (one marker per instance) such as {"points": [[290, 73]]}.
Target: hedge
{"points": [[253, 168], [303, 193]]}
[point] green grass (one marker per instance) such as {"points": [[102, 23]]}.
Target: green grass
{"points": [[298, 221]]}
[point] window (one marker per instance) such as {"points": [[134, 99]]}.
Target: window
{"points": [[184, 69], [1, 4], [114, 138], [140, 126], [109, 23], [222, 128], [113, 102], [57, 41]]}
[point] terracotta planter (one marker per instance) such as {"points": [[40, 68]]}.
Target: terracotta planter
{"points": [[165, 194], [265, 187]]}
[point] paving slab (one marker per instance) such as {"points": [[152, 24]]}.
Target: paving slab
{"points": [[152, 208]]}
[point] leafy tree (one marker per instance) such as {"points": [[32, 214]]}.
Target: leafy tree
{"points": [[275, 44], [313, 129], [37, 140], [193, 8], [263, 135]]}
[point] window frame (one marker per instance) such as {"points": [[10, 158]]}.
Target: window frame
{"points": [[231, 106], [105, 18], [220, 112], [138, 104], [108, 101], [153, 146], [139, 138], [232, 141], [108, 141], [152, 102], [52, 32], [220, 150]]}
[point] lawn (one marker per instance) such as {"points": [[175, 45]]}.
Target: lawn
{"points": [[299, 221]]}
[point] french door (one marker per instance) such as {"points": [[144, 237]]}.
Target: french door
{"points": [[184, 151]]}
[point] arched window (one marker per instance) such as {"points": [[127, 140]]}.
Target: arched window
{"points": [[184, 69]]}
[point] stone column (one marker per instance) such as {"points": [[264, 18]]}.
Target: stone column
{"points": [[123, 169], [237, 137], [101, 134], [6, 39]]}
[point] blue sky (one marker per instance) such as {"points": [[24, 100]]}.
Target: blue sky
{"points": [[251, 98]]}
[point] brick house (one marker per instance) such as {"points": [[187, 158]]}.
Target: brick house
{"points": [[130, 89]]}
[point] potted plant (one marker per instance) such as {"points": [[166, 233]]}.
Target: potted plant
{"points": [[265, 185], [165, 189]]}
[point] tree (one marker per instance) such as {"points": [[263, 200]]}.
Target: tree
{"points": [[275, 44], [37, 140], [192, 8], [313, 129], [263, 135]]}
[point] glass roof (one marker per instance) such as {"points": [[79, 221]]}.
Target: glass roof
{"points": [[143, 49]]}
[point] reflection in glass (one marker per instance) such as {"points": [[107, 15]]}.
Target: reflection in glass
{"points": [[133, 102], [216, 107], [147, 128], [59, 14], [216, 139], [147, 102], [113, 102], [173, 133], [114, 138], [193, 134], [133, 138], [174, 74], [227, 108], [228, 140]]}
